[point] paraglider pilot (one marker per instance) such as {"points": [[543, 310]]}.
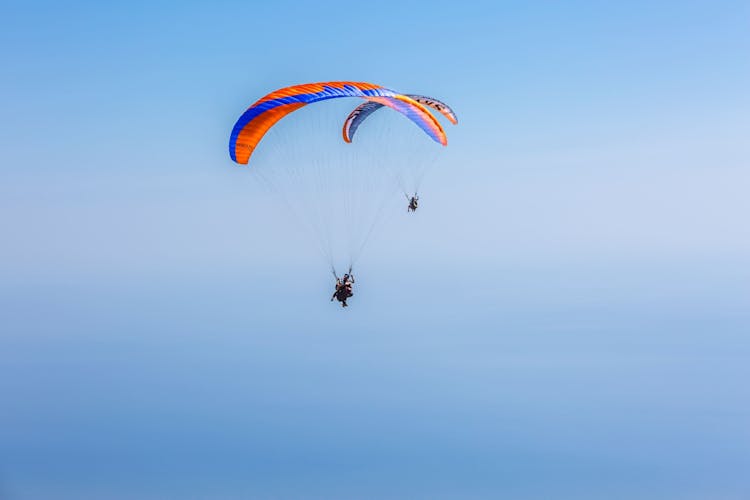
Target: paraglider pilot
{"points": [[343, 289], [413, 203]]}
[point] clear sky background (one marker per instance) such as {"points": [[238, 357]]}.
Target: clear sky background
{"points": [[566, 316]]}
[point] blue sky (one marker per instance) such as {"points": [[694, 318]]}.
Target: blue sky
{"points": [[565, 317]]}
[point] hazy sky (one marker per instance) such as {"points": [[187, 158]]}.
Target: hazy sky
{"points": [[565, 317]]}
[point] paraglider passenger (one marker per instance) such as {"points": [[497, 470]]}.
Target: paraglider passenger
{"points": [[339, 284], [413, 204]]}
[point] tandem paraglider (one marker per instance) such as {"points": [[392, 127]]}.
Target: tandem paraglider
{"points": [[344, 288]]}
